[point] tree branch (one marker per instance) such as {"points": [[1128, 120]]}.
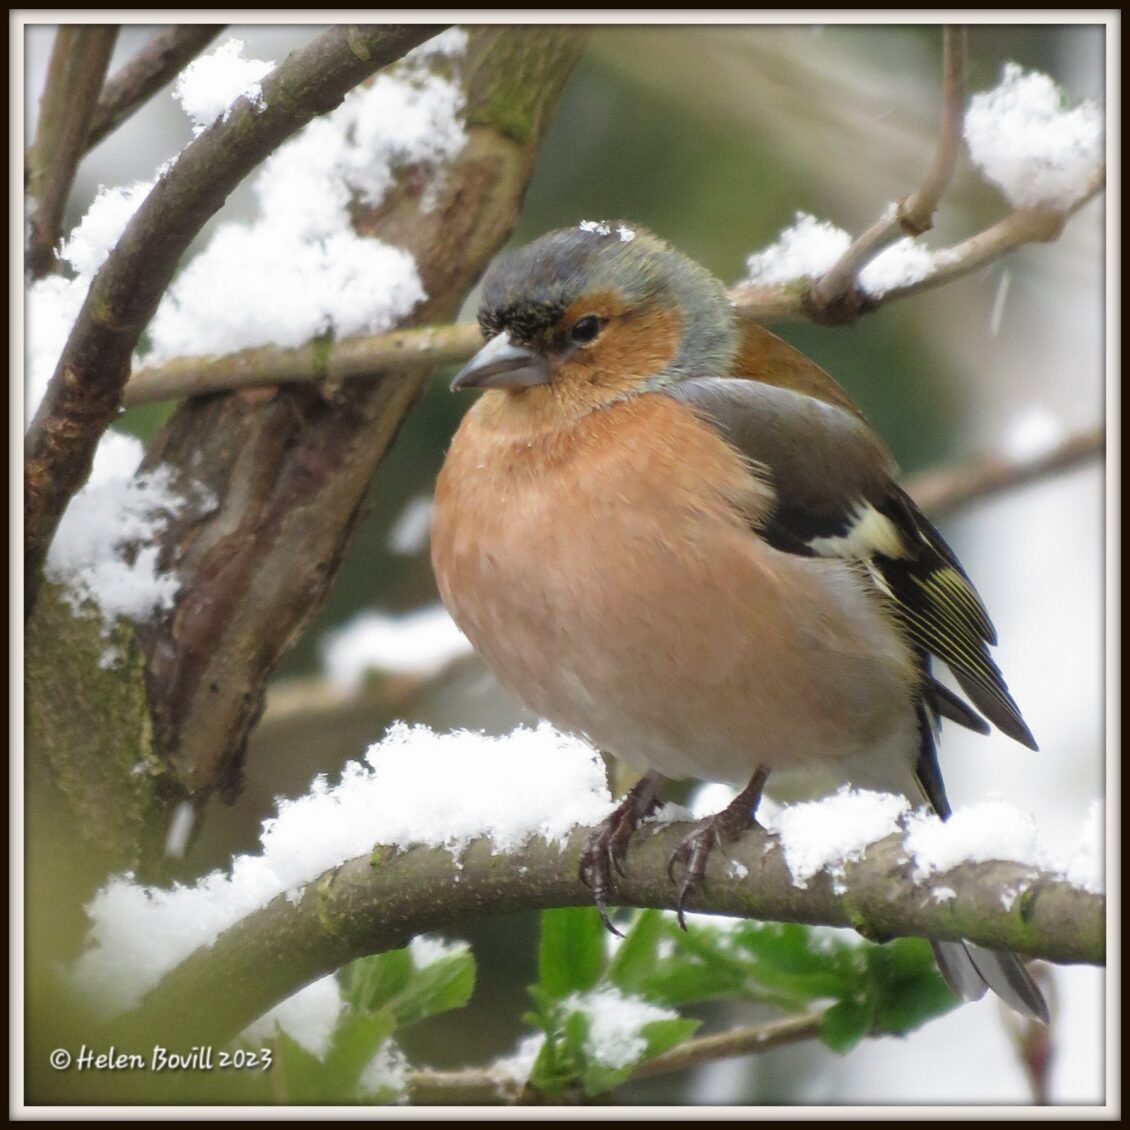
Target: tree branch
{"points": [[945, 489], [489, 1085], [372, 904], [78, 65], [914, 214], [156, 64], [364, 356], [85, 392], [344, 360], [792, 300]]}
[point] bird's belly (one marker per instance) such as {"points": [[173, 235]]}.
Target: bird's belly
{"points": [[617, 622]]}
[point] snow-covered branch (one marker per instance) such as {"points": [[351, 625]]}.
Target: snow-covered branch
{"points": [[85, 392], [380, 901]]}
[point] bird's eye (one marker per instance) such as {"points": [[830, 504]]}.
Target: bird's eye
{"points": [[586, 329]]}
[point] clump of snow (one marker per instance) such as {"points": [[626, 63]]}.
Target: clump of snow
{"points": [[86, 248], [615, 1021], [737, 870], [811, 247], [902, 264], [208, 86], [299, 270], [386, 1072], [427, 950], [1086, 866], [53, 303], [806, 250], [415, 787], [826, 834], [603, 227], [417, 643], [992, 830], [411, 530], [1025, 140], [308, 1017], [104, 552]]}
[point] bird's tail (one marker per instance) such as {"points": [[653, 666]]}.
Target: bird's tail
{"points": [[970, 969]]}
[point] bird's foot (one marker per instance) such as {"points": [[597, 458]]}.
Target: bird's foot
{"points": [[723, 827], [607, 847]]}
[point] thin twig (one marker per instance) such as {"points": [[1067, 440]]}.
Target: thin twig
{"points": [[1024, 225], [836, 290], [156, 64], [725, 1045], [948, 488], [79, 59], [490, 1085], [790, 301], [85, 393], [916, 212]]}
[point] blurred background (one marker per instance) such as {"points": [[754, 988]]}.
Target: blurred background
{"points": [[714, 138]]}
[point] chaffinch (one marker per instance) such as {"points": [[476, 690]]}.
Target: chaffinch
{"points": [[678, 536]]}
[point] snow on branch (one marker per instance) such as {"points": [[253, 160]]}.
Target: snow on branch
{"points": [[85, 392], [438, 827]]}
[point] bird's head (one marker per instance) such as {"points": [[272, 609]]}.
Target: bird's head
{"points": [[598, 313]]}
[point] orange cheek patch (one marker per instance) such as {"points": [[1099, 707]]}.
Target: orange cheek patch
{"points": [[632, 346]]}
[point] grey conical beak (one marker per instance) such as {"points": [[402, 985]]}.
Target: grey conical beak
{"points": [[502, 364]]}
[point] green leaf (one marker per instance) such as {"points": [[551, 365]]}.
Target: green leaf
{"points": [[370, 983], [635, 958], [843, 1025], [297, 1073], [663, 1035], [785, 959], [679, 982], [571, 956], [356, 1039], [548, 1075], [906, 985], [391, 981], [443, 985], [596, 1079]]}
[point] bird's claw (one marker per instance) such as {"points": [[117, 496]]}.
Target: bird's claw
{"points": [[695, 847], [692, 853], [597, 860], [607, 848]]}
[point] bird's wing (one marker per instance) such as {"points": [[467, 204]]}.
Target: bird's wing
{"points": [[835, 496]]}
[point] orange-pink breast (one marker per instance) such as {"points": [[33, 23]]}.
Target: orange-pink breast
{"points": [[608, 575]]}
